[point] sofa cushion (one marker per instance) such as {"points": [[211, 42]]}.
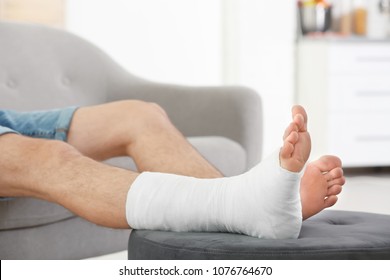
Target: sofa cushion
{"points": [[29, 212], [73, 238], [227, 155]]}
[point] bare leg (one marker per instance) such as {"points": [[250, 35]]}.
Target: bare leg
{"points": [[56, 172], [140, 130]]}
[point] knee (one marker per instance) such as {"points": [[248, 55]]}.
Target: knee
{"points": [[147, 114], [59, 151], [154, 109], [144, 107]]}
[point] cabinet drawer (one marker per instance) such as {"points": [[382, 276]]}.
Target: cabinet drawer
{"points": [[360, 140], [359, 58], [354, 94]]}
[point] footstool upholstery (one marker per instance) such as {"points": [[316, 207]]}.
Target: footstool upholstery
{"points": [[328, 235]]}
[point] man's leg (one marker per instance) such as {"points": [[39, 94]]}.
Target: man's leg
{"points": [[55, 171], [140, 130]]}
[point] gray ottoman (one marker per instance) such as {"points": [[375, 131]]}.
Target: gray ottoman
{"points": [[328, 235]]}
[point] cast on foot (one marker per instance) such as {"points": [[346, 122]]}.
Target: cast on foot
{"points": [[263, 202]]}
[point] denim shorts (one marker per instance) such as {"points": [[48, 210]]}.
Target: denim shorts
{"points": [[50, 124]]}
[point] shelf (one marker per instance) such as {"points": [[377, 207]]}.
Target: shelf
{"points": [[341, 39]]}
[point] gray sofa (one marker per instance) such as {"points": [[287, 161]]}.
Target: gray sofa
{"points": [[42, 68]]}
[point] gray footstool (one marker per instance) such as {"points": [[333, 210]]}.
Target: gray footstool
{"points": [[328, 235]]}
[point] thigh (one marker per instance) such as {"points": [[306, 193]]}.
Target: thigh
{"points": [[101, 131]]}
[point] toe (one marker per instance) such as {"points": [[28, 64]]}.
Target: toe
{"points": [[292, 138], [330, 201], [327, 163], [286, 150], [300, 122], [288, 145], [334, 190], [292, 127], [299, 110], [334, 174], [338, 181]]}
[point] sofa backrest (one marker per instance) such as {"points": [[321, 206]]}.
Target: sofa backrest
{"points": [[45, 68], [42, 68]]}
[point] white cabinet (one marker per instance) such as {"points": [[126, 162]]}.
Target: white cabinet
{"points": [[345, 87]]}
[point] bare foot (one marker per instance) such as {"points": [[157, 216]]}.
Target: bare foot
{"points": [[297, 145], [322, 181]]}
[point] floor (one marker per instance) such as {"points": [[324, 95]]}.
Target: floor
{"points": [[115, 256]]}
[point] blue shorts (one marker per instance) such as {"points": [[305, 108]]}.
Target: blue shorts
{"points": [[51, 124]]}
